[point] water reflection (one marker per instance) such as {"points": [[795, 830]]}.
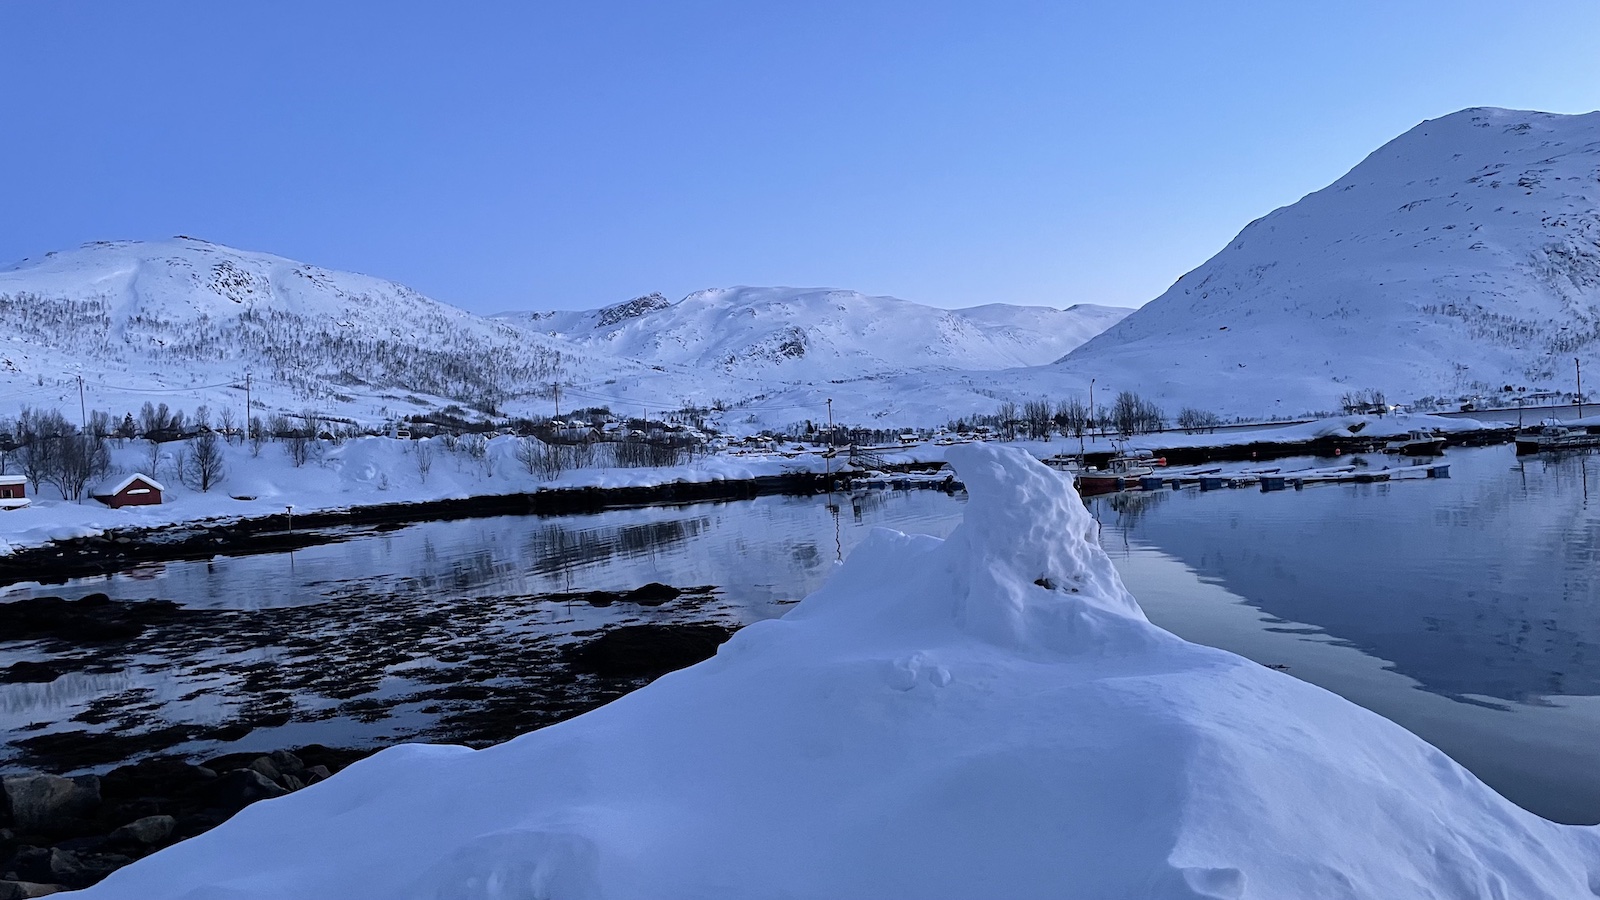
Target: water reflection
{"points": [[1481, 587]]}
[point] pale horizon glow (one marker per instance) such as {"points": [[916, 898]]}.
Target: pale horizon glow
{"points": [[523, 156]]}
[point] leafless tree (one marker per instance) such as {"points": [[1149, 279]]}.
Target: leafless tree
{"points": [[424, 451], [1072, 417], [80, 460], [1037, 417], [203, 464]]}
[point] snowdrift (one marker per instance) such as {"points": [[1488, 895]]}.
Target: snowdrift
{"points": [[985, 716]]}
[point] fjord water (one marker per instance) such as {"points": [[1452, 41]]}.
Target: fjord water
{"points": [[1466, 609]]}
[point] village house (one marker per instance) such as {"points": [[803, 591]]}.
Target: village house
{"points": [[13, 492], [133, 490]]}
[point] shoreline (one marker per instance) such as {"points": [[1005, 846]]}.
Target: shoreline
{"points": [[117, 549]]}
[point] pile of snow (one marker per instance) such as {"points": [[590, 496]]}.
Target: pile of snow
{"points": [[986, 716]]}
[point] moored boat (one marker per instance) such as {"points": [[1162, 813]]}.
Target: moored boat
{"points": [[1552, 434], [1418, 443]]}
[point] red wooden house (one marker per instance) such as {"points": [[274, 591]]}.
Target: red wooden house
{"points": [[134, 490], [13, 492]]}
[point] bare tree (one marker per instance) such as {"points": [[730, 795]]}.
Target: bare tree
{"points": [[1197, 421], [79, 460], [257, 435], [1132, 414], [40, 432], [203, 464], [1072, 417], [153, 460], [424, 450], [1037, 417], [225, 419], [1007, 417], [530, 451]]}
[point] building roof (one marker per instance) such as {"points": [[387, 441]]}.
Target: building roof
{"points": [[13, 479], [111, 489]]}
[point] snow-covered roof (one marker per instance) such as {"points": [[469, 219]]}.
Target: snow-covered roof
{"points": [[111, 489], [13, 479]]}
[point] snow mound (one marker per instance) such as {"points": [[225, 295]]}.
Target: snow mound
{"points": [[985, 716]]}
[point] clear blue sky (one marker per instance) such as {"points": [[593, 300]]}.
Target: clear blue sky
{"points": [[537, 155]]}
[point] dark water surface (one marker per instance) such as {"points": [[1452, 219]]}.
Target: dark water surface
{"points": [[1467, 609]]}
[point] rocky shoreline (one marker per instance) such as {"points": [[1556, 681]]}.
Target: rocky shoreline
{"points": [[60, 830]]}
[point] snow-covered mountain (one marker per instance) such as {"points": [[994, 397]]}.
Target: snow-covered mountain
{"points": [[789, 335], [184, 321], [1459, 258]]}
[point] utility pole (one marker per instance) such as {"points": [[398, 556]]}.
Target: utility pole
{"points": [[829, 455], [83, 410], [247, 406], [1091, 403], [557, 386], [1576, 362]]}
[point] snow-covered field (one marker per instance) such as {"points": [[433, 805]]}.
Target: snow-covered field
{"points": [[986, 716]]}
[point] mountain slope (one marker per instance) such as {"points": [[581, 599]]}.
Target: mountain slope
{"points": [[144, 320], [789, 335], [1461, 257]]}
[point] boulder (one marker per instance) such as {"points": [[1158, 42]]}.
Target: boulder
{"points": [[26, 890], [286, 763], [265, 766], [241, 787], [49, 804], [145, 832], [160, 776], [317, 773]]}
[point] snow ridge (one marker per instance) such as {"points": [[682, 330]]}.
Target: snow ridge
{"points": [[985, 716]]}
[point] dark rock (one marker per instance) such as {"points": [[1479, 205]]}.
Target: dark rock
{"points": [[26, 672], [85, 620], [27, 890], [160, 776], [653, 594], [31, 864], [66, 868], [50, 804], [233, 791], [317, 773], [113, 815], [192, 824], [266, 767], [287, 763], [145, 832], [634, 651], [290, 782], [80, 870]]}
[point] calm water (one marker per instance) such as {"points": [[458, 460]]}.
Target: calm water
{"points": [[1466, 609]]}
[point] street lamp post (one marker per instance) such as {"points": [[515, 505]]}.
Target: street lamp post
{"points": [[1091, 403]]}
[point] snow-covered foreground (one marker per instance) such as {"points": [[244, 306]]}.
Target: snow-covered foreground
{"points": [[985, 716]]}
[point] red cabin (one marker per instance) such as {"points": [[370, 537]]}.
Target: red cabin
{"points": [[13, 492], [134, 490]]}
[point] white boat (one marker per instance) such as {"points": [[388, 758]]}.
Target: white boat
{"points": [[1418, 443], [1552, 434]]}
